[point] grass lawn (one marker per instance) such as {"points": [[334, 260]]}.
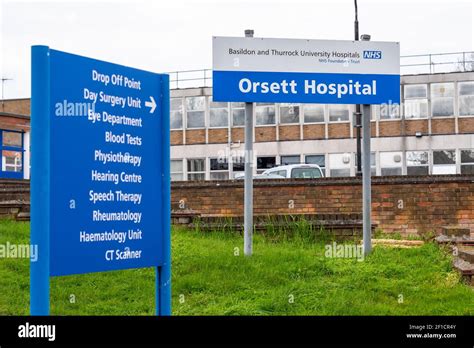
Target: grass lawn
{"points": [[285, 277]]}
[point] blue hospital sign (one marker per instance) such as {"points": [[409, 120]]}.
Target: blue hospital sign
{"points": [[106, 166], [305, 71]]}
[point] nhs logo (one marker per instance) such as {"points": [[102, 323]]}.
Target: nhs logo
{"points": [[372, 54]]}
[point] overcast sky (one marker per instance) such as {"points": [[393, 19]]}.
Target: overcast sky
{"points": [[169, 35]]}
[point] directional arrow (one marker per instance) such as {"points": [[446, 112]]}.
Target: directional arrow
{"points": [[151, 104]]}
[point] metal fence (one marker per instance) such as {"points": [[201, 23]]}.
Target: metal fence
{"points": [[409, 65]]}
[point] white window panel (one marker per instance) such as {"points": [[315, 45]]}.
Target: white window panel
{"points": [[196, 169], [391, 163], [442, 99], [338, 113], [218, 114], [467, 161], [265, 114], [417, 162], [313, 113], [238, 114], [416, 101], [340, 164], [176, 113], [466, 98], [289, 113], [195, 112], [444, 162]]}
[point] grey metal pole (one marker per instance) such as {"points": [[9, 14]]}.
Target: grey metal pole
{"points": [[366, 180], [248, 183]]}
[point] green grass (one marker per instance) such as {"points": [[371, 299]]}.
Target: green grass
{"points": [[208, 279]]}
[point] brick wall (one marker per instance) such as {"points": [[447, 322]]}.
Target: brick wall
{"points": [[265, 134], [410, 205], [289, 132], [16, 106], [196, 136], [15, 123]]}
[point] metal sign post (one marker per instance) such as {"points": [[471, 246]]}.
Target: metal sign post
{"points": [[248, 184], [366, 180]]}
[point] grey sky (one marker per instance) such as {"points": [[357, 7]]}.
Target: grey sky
{"points": [[176, 34]]}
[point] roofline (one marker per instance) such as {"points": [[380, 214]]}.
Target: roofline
{"points": [[23, 117], [14, 99]]}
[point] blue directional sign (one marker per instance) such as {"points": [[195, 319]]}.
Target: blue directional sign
{"points": [[305, 71], [100, 187]]}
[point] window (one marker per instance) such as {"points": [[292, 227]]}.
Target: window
{"points": [[176, 113], [320, 160], [281, 173], [467, 161], [417, 163], [289, 113], [218, 114], [444, 162], [416, 101], [196, 169], [340, 164], [338, 113], [12, 154], [466, 98], [294, 159], [12, 161], [442, 99], [306, 173], [265, 114], [264, 163], [388, 111], [238, 114], [313, 113], [219, 169], [391, 163], [373, 164], [176, 170], [195, 111], [238, 165], [11, 139]]}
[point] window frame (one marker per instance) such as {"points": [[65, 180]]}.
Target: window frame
{"points": [[174, 172], [191, 111], [461, 164], [210, 114], [417, 166], [428, 111], [188, 172], [433, 165], [432, 98], [343, 121], [174, 111], [295, 105], [261, 170], [213, 171], [274, 124], [398, 166], [325, 114], [457, 90], [21, 150], [231, 121]]}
